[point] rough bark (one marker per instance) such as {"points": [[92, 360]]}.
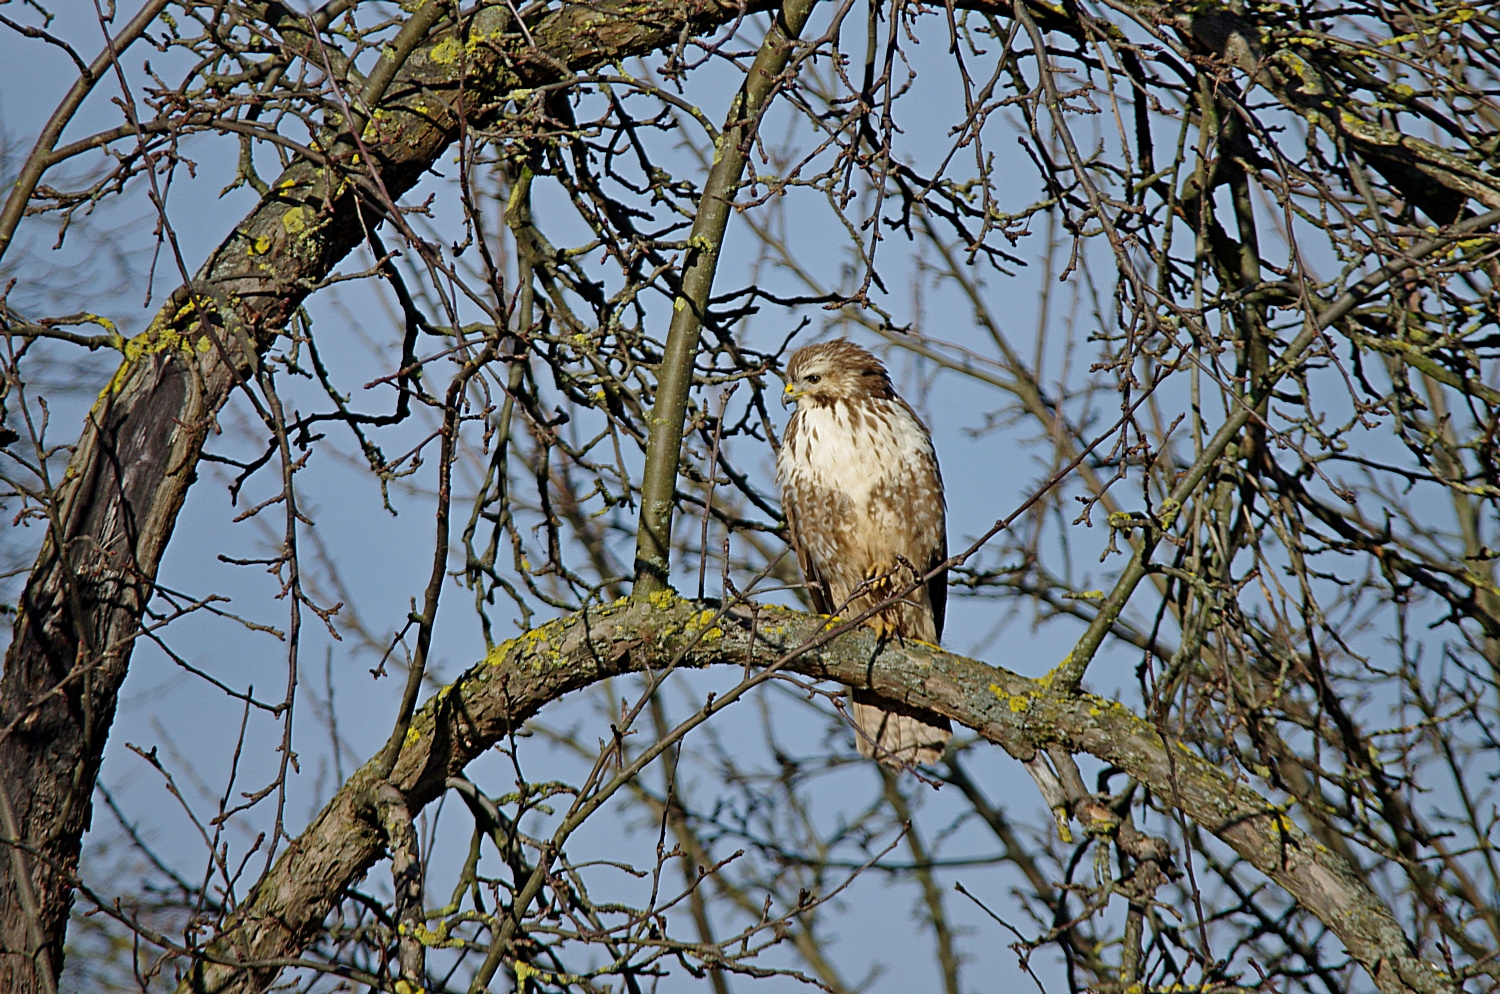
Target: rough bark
{"points": [[114, 511], [285, 913]]}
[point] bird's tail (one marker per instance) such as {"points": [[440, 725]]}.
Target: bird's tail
{"points": [[897, 736]]}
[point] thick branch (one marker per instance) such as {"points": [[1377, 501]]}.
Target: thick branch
{"points": [[1437, 179], [518, 678]]}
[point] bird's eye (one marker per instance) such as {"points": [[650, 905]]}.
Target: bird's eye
{"points": [[812, 377]]}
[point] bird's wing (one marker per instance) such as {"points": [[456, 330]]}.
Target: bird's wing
{"points": [[937, 587], [817, 588], [930, 488]]}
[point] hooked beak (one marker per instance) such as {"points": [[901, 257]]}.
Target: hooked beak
{"points": [[789, 396]]}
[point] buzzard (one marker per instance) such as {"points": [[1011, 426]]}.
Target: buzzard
{"points": [[864, 503]]}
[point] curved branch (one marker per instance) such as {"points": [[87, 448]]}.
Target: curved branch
{"points": [[499, 693]]}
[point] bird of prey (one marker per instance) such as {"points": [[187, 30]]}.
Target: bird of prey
{"points": [[864, 504]]}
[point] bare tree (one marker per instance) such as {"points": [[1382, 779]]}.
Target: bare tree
{"points": [[529, 270]]}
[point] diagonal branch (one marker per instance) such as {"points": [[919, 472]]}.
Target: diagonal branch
{"points": [[1316, 323]]}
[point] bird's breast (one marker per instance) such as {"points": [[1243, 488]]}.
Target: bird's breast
{"points": [[854, 449]]}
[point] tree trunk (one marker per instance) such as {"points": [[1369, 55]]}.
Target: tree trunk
{"points": [[114, 512]]}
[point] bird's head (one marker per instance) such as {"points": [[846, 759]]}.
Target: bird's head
{"points": [[829, 372]]}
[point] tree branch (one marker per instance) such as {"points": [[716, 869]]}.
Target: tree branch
{"points": [[113, 515], [498, 694], [674, 377]]}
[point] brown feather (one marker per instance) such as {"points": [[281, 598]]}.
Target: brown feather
{"points": [[863, 494]]}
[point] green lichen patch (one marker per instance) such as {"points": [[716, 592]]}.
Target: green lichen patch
{"points": [[1018, 703], [164, 334], [702, 621], [297, 220]]}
